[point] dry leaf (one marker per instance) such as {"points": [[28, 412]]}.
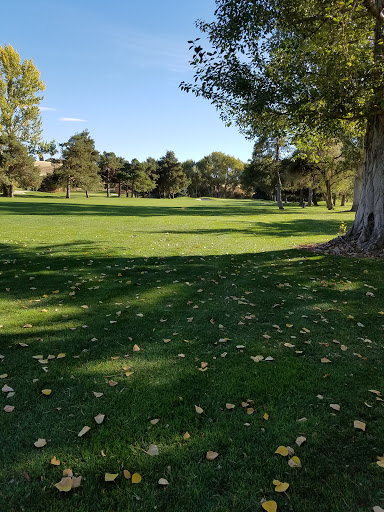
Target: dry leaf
{"points": [[230, 406], [112, 383], [377, 509], [83, 431], [325, 360], [76, 482], [257, 359], [163, 481], [136, 478], [110, 477], [186, 436], [136, 348], [99, 418], [269, 506], [294, 462], [127, 474], [7, 389], [282, 450], [40, 443], [300, 440], [204, 365], [156, 420], [336, 407], [153, 450], [68, 472], [359, 425], [97, 395], [3, 375], [65, 484], [55, 461], [198, 409], [212, 455], [9, 408], [374, 391]]}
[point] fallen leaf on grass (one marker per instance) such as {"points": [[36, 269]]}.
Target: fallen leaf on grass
{"points": [[76, 482], [136, 478], [154, 421], [46, 392], [127, 474], [112, 383], [83, 431], [65, 484], [294, 462], [61, 355], [377, 509], [153, 450], [27, 326], [280, 486], [282, 450], [40, 443], [110, 477], [359, 425], [269, 506], [257, 359], [9, 408], [97, 395], [230, 406], [212, 455], [187, 435], [300, 440], [163, 481], [325, 360], [55, 461], [374, 391], [99, 418], [136, 348], [266, 416], [336, 407], [3, 375], [198, 409]]}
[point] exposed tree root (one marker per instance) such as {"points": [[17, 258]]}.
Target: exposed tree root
{"points": [[341, 247]]}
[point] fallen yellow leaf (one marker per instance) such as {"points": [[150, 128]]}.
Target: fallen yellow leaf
{"points": [[280, 486], [294, 462], [269, 506], [359, 425], [46, 392], [55, 461], [282, 450], [186, 436], [110, 477], [136, 478], [83, 431]]}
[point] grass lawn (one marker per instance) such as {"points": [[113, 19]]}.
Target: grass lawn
{"points": [[200, 287]]}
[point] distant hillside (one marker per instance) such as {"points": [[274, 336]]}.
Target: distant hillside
{"points": [[46, 167]]}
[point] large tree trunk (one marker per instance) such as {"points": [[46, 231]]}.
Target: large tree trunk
{"points": [[368, 228], [342, 200], [357, 190], [8, 190], [314, 199], [301, 200], [310, 195], [328, 195], [68, 195]]}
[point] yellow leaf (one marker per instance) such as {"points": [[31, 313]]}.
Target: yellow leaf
{"points": [[212, 455], [380, 463], [187, 435], [198, 409], [266, 416], [3, 375], [269, 506], [127, 474], [110, 477], [61, 355], [46, 392], [136, 478], [83, 431], [128, 374], [55, 461], [294, 462], [65, 484], [203, 365], [67, 472], [359, 425], [281, 487], [40, 443], [282, 450]]}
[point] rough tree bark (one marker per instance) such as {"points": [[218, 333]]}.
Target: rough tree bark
{"points": [[301, 200], [310, 195], [342, 200], [328, 194], [357, 190], [368, 228]]}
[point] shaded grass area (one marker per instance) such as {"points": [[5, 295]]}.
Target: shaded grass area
{"points": [[148, 273]]}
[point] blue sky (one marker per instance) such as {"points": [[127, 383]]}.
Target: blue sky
{"points": [[114, 68]]}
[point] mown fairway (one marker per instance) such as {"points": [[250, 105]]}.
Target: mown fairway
{"points": [[95, 277]]}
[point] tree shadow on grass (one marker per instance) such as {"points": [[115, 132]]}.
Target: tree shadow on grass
{"points": [[163, 291]]}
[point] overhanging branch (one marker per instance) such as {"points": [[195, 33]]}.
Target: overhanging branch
{"points": [[372, 9]]}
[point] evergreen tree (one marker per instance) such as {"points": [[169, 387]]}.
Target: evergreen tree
{"points": [[79, 168], [172, 178]]}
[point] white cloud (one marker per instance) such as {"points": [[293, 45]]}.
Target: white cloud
{"points": [[47, 109], [72, 119]]}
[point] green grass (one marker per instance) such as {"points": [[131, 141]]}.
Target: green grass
{"points": [[238, 262]]}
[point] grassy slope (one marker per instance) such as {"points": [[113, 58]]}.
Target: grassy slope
{"points": [[159, 259]]}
